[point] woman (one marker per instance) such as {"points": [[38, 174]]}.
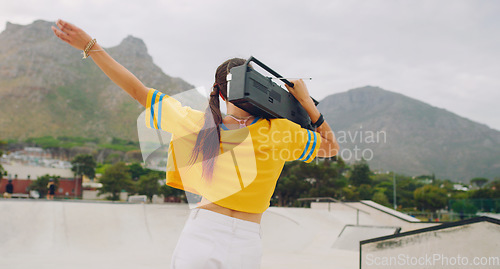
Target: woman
{"points": [[209, 156]]}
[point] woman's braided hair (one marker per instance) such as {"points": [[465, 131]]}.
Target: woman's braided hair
{"points": [[208, 140]]}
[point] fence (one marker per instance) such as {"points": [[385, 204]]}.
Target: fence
{"points": [[459, 209], [472, 206]]}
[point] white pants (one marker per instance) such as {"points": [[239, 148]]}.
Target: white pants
{"points": [[212, 240]]}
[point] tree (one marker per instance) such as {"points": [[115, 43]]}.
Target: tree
{"points": [[102, 167], [115, 179], [360, 174], [482, 193], [365, 192], [349, 194], [430, 197], [479, 181], [136, 171], [381, 198], [495, 186], [464, 206], [405, 189], [289, 189], [84, 164], [323, 176], [168, 191], [2, 172], [341, 165], [148, 185], [40, 184], [291, 184]]}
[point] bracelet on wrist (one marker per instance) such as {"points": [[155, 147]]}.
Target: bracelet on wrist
{"points": [[319, 121], [88, 47]]}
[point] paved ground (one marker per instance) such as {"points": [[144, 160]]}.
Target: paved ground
{"points": [[60, 234]]}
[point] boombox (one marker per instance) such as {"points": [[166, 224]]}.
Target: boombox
{"points": [[261, 96]]}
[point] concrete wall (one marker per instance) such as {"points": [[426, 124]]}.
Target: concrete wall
{"points": [[92, 195], [65, 188], [474, 245], [101, 235], [371, 217]]}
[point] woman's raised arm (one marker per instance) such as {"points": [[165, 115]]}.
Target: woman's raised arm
{"points": [[79, 39], [329, 146]]}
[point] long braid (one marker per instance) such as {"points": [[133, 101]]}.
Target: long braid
{"points": [[209, 135], [208, 140]]}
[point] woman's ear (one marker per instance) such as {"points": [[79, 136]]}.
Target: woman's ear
{"points": [[223, 99]]}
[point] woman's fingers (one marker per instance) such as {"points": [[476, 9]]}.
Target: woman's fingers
{"points": [[299, 90], [71, 34], [61, 35], [65, 26], [61, 31]]}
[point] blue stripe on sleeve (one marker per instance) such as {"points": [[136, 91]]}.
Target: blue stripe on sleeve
{"points": [[307, 145], [152, 108], [255, 120], [158, 123], [223, 126], [312, 148]]}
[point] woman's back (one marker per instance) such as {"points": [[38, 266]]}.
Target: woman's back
{"points": [[249, 161]]}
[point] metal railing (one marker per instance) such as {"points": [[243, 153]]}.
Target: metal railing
{"points": [[330, 199]]}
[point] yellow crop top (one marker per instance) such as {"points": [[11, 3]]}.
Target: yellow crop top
{"points": [[250, 159]]}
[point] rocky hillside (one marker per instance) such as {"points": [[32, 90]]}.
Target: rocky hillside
{"points": [[47, 89], [405, 135]]}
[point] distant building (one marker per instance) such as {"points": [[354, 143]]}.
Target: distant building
{"points": [[22, 176], [460, 187], [34, 156], [425, 181]]}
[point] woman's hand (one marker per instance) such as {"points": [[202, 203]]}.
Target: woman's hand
{"points": [[299, 91], [71, 34], [78, 39], [329, 146]]}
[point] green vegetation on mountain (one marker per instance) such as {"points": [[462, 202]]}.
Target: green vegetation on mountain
{"points": [[52, 98], [46, 89]]}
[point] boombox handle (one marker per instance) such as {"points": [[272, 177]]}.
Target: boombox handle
{"points": [[272, 72]]}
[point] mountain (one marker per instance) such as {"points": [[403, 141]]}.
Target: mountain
{"points": [[401, 134], [47, 89]]}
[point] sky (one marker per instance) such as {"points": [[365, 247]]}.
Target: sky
{"points": [[445, 53]]}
